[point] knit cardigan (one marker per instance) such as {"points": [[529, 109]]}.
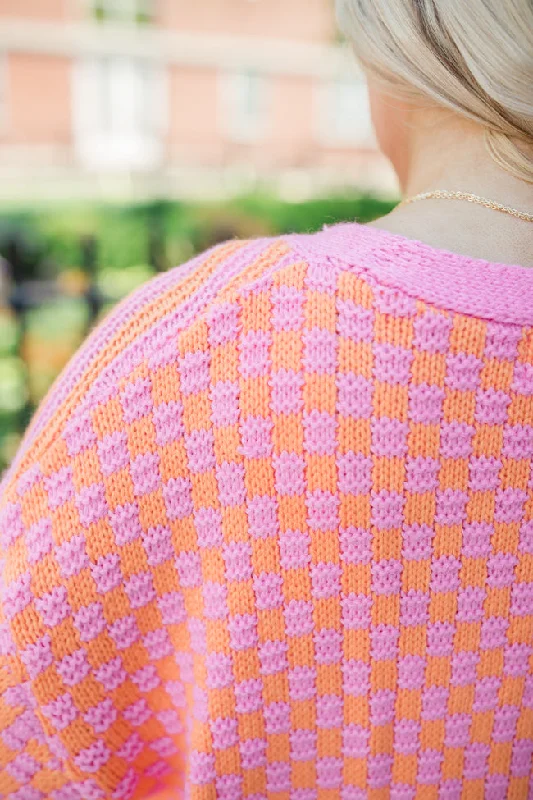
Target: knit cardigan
{"points": [[270, 536]]}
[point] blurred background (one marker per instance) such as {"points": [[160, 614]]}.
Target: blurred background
{"points": [[135, 133]]}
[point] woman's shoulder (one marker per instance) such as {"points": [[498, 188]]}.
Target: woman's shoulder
{"points": [[216, 318], [164, 322]]}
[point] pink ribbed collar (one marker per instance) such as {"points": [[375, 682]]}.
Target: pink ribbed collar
{"points": [[485, 289]]}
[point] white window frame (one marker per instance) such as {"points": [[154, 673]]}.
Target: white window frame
{"points": [[106, 132], [239, 124], [348, 95]]}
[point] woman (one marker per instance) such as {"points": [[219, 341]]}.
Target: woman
{"points": [[271, 534]]}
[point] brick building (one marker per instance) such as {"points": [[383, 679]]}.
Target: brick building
{"points": [[180, 98]]}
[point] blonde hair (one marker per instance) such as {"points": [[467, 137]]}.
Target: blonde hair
{"points": [[472, 56]]}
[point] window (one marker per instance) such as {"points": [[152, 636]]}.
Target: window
{"points": [[244, 105], [119, 112], [344, 114], [131, 11]]}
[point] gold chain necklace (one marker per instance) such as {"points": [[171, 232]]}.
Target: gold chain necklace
{"points": [[441, 194]]}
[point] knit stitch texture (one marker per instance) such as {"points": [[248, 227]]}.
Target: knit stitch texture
{"points": [[270, 536]]}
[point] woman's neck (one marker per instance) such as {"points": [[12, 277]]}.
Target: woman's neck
{"points": [[452, 155]]}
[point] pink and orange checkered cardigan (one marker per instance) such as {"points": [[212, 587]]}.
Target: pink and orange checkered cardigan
{"points": [[270, 536]]}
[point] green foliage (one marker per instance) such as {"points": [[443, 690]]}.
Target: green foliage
{"points": [[9, 337], [312, 215], [128, 236], [12, 385], [57, 320]]}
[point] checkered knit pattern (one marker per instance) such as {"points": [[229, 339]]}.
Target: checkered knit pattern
{"points": [[270, 536]]}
